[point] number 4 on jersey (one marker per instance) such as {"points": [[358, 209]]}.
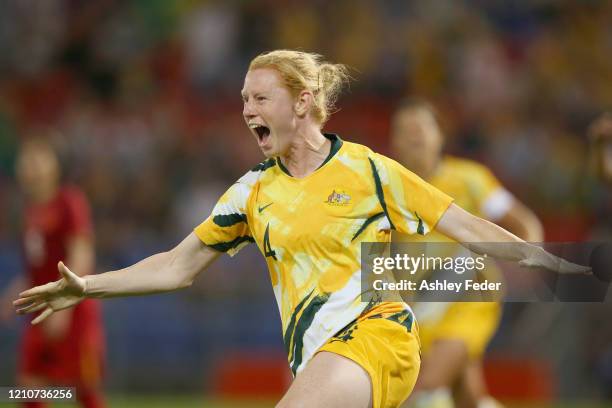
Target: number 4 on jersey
{"points": [[268, 251]]}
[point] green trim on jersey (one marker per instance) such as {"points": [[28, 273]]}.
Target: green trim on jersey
{"points": [[420, 227], [366, 223], [265, 165], [289, 332], [303, 324], [379, 191], [226, 246], [336, 144], [405, 318], [229, 219]]}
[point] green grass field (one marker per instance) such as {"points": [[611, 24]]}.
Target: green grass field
{"points": [[201, 402]]}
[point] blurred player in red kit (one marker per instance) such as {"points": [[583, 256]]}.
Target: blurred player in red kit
{"points": [[68, 348]]}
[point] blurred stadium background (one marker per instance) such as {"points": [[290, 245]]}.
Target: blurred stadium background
{"points": [[142, 100]]}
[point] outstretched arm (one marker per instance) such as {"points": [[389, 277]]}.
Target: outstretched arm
{"points": [[163, 272], [484, 237]]}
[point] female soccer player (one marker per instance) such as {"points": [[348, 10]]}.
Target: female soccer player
{"points": [[454, 335], [308, 207], [68, 348]]}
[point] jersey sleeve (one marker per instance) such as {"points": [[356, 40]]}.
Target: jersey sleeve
{"points": [[78, 220], [411, 204], [226, 229], [493, 200]]}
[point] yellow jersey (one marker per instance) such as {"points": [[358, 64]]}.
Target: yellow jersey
{"points": [[473, 187], [310, 229]]}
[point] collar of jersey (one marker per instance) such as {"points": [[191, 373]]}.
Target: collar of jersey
{"points": [[336, 144]]}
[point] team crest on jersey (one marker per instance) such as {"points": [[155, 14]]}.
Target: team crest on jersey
{"points": [[338, 198]]}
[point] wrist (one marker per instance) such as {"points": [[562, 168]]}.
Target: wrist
{"points": [[86, 286]]}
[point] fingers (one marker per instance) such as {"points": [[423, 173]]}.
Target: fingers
{"points": [[72, 279], [47, 288], [585, 270], [46, 313], [563, 267], [34, 307], [65, 272], [25, 300], [572, 268]]}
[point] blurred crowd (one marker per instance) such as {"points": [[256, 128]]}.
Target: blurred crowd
{"points": [[142, 99]]}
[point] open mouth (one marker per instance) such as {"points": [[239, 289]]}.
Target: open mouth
{"points": [[262, 132]]}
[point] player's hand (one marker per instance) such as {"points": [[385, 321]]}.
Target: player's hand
{"points": [[542, 259], [562, 267], [53, 296]]}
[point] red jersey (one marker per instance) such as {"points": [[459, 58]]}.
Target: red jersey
{"points": [[48, 229], [78, 357]]}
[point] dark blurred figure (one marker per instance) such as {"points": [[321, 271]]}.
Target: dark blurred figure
{"points": [[68, 348]]}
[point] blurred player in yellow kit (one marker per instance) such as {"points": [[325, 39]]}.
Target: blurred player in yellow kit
{"points": [[308, 207], [454, 335]]}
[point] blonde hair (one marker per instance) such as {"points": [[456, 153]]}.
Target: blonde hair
{"points": [[307, 71]]}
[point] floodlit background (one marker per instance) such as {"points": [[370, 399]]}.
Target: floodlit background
{"points": [[142, 100]]}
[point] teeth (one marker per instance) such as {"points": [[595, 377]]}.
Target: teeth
{"points": [[254, 125]]}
